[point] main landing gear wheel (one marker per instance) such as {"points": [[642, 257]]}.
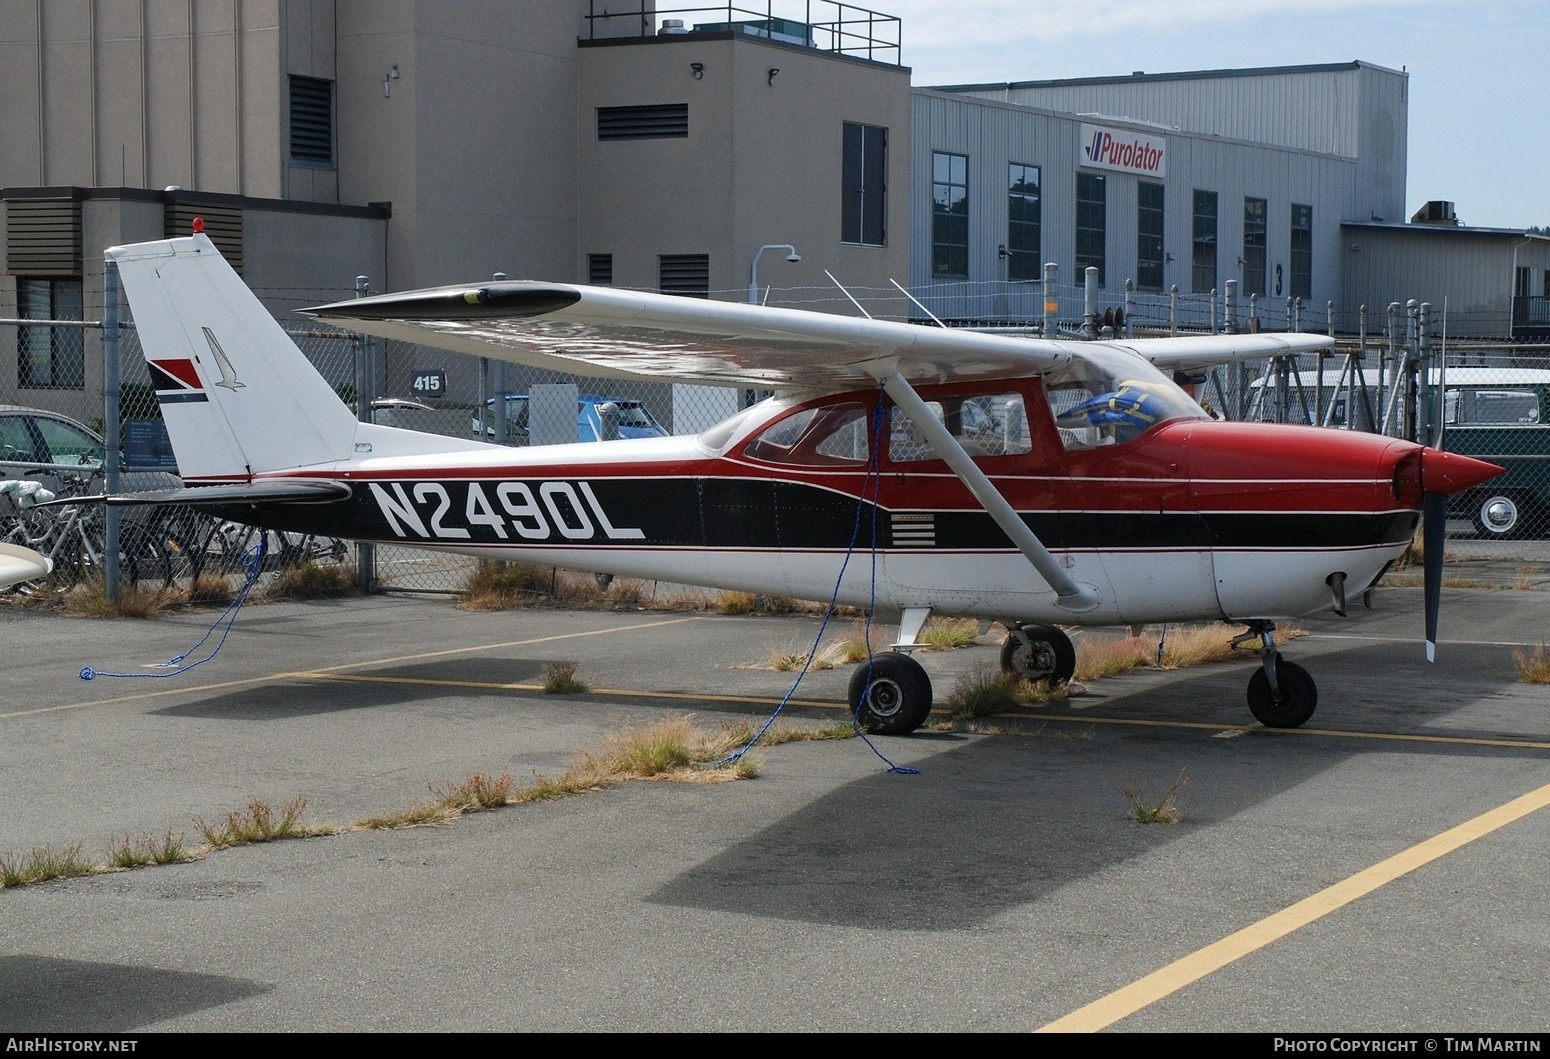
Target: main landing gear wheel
{"points": [[1039, 652], [1294, 700], [891, 695]]}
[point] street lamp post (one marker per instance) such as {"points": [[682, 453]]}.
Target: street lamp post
{"points": [[753, 276]]}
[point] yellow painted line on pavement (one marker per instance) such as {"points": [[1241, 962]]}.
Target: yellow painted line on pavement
{"points": [[1161, 983]]}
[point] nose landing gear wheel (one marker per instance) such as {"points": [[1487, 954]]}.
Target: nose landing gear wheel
{"points": [[1298, 696], [891, 695]]}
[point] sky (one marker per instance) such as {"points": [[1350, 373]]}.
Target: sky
{"points": [[1478, 82]]}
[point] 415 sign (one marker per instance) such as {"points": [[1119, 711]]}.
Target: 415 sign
{"points": [[428, 383]]}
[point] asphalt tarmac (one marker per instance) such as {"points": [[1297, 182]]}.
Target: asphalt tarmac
{"points": [[1383, 869]]}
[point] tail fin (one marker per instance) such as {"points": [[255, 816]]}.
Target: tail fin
{"points": [[238, 397]]}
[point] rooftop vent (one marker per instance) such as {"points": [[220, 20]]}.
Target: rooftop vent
{"points": [[1437, 211]]}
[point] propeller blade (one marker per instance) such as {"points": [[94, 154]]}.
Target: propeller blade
{"points": [[1434, 529]]}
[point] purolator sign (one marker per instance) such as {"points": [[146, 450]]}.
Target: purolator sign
{"points": [[1124, 151]]}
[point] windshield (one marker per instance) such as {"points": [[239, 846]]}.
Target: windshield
{"points": [[1106, 396]]}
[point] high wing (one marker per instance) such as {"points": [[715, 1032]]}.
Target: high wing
{"points": [[615, 333]]}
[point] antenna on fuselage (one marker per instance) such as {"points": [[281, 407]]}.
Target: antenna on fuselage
{"points": [[916, 302], [845, 292]]}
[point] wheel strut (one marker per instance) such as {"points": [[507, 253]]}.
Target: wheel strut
{"points": [[1265, 633]]}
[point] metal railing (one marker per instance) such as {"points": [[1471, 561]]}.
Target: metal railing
{"points": [[824, 25]]}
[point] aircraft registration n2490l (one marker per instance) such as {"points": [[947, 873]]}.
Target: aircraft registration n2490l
{"points": [[1037, 483]]}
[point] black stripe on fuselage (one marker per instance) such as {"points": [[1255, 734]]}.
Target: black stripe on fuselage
{"points": [[765, 514]]}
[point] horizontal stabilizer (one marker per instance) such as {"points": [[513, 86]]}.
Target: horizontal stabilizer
{"points": [[267, 491]]}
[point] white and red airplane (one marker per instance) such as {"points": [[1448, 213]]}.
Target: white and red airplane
{"points": [[1037, 483]]}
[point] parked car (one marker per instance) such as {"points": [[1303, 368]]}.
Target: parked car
{"points": [[37, 445], [635, 421]]}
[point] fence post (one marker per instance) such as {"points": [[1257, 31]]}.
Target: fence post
{"points": [[365, 388], [1173, 310], [1230, 313], [1051, 300], [111, 430], [1090, 302]]}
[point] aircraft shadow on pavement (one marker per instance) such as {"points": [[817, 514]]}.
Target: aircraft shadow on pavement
{"points": [[366, 688], [45, 994], [992, 824]]}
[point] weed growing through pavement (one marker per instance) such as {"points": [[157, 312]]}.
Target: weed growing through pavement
{"points": [[560, 679], [673, 749], [1169, 809], [42, 865], [949, 635], [257, 822], [1533, 668]]}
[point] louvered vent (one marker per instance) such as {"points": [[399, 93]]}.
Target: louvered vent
{"points": [[664, 121], [223, 224], [686, 274], [43, 237], [312, 121]]}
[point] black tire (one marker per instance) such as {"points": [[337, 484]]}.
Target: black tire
{"points": [[1502, 516], [1048, 654], [1299, 696], [891, 695]]}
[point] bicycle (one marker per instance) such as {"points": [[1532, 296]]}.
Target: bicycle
{"points": [[73, 537]]}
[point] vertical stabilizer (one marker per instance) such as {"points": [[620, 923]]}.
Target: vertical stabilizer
{"points": [[238, 397]]}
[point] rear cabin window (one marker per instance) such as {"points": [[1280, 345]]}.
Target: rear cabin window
{"points": [[828, 436]]}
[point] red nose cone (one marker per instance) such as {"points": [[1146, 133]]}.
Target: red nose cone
{"points": [[1448, 472]]}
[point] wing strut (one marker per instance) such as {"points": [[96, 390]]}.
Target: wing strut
{"points": [[1072, 596]]}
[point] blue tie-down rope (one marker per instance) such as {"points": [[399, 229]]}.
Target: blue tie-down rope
{"points": [[253, 563], [873, 477]]}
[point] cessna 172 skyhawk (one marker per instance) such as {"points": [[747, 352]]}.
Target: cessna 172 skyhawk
{"points": [[1028, 481]]}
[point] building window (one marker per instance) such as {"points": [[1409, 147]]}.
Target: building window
{"points": [[1302, 251], [1203, 258], [864, 190], [684, 274], [949, 214], [312, 121], [1024, 215], [664, 121], [600, 269], [1254, 229], [50, 357], [1091, 224], [1149, 236]]}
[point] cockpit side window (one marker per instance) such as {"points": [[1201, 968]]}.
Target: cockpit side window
{"points": [[1105, 397], [826, 436], [993, 423]]}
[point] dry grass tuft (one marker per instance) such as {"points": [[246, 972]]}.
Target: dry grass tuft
{"points": [[1534, 667], [949, 634], [209, 588], [497, 585], [560, 679], [1169, 809], [43, 864], [90, 600], [313, 581], [735, 603], [990, 691], [1183, 646], [257, 822]]}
